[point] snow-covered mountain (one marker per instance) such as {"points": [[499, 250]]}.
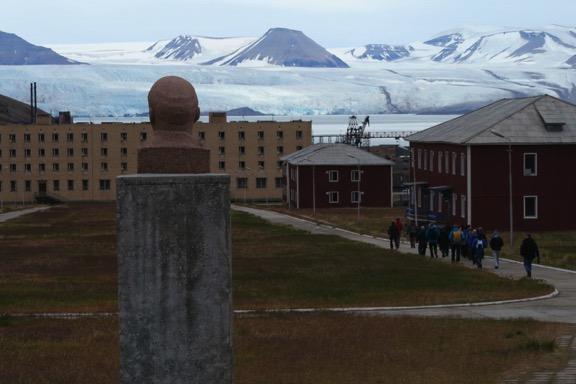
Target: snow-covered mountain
{"points": [[380, 52], [16, 51], [282, 47]]}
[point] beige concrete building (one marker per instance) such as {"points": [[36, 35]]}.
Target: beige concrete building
{"points": [[81, 161]]}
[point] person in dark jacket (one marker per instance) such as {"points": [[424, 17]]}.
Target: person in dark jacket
{"points": [[529, 251], [432, 235], [444, 241], [496, 244], [479, 247], [394, 235], [422, 242], [412, 233]]}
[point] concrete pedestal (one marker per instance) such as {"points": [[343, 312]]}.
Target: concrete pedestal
{"points": [[174, 279]]}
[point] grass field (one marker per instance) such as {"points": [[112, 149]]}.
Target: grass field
{"points": [[315, 349], [64, 260], [558, 249]]}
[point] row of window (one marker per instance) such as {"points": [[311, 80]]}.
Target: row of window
{"points": [[259, 150], [69, 152], [71, 185], [445, 161], [334, 176], [70, 167], [261, 182], [55, 137], [260, 135], [334, 197]]}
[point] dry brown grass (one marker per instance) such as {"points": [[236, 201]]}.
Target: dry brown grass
{"points": [[317, 349]]}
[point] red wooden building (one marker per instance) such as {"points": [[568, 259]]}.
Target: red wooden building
{"points": [[509, 162], [337, 175]]}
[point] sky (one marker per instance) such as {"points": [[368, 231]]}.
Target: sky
{"points": [[332, 23]]}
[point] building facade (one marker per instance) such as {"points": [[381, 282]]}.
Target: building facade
{"points": [[337, 176], [507, 163], [74, 162]]}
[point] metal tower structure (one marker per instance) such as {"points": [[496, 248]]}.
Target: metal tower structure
{"points": [[355, 133]]}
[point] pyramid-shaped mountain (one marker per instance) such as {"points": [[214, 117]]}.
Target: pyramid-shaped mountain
{"points": [[282, 47], [16, 51]]}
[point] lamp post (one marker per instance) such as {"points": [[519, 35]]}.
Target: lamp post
{"points": [[510, 198], [414, 187]]}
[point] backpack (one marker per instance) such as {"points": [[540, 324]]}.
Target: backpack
{"points": [[479, 244], [457, 236]]}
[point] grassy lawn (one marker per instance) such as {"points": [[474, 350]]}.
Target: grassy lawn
{"points": [[64, 259], [319, 349]]}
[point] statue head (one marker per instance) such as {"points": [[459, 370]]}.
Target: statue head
{"points": [[173, 104]]}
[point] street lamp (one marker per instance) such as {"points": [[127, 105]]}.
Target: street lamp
{"points": [[510, 199]]}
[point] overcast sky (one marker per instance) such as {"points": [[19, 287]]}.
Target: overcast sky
{"points": [[332, 23]]}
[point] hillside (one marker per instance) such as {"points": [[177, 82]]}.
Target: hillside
{"points": [[13, 111], [17, 51]]}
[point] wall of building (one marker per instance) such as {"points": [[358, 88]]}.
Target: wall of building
{"points": [[84, 166], [375, 185]]}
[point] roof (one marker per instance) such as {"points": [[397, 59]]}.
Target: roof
{"points": [[334, 154], [518, 121]]}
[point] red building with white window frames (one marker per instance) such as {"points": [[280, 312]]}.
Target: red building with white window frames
{"points": [[337, 175], [513, 158]]}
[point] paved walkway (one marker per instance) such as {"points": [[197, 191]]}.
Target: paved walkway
{"points": [[15, 214], [560, 308]]}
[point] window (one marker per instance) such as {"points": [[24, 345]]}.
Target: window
{"points": [[333, 176], [70, 185], [356, 175], [84, 151], [12, 138], [462, 164], [333, 197], [530, 207], [260, 151], [280, 150], [56, 185], [41, 167], [123, 151], [221, 150], [70, 167], [84, 184], [279, 134], [12, 153], [143, 136], [13, 186], [299, 135], [221, 165], [530, 164], [412, 158], [425, 156], [298, 147], [84, 137], [454, 160], [69, 137], [55, 167], [103, 152], [241, 182], [55, 137], [242, 150], [55, 152], [104, 184], [12, 167], [431, 207], [70, 152], [41, 138], [27, 152], [463, 207], [260, 182], [279, 182], [123, 166], [357, 197], [41, 152], [28, 185], [28, 167], [260, 135], [84, 167], [0, 153], [431, 161], [123, 136], [242, 164], [454, 202], [279, 164], [241, 135], [447, 158], [440, 201], [103, 137], [104, 167], [419, 196], [221, 135], [440, 161], [27, 137], [260, 165]]}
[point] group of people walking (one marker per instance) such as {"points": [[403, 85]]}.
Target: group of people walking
{"points": [[459, 242]]}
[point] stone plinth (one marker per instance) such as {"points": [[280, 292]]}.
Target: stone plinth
{"points": [[174, 279]]}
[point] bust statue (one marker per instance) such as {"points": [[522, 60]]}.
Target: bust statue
{"points": [[173, 106]]}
